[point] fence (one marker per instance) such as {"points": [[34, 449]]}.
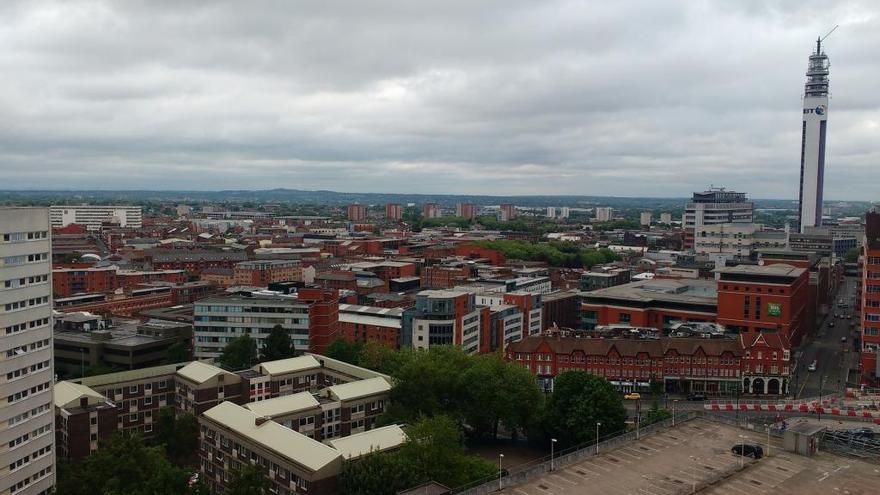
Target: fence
{"points": [[522, 473]]}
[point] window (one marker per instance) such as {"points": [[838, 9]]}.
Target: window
{"points": [[624, 318]]}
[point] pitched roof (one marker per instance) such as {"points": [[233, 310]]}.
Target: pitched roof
{"points": [[376, 440], [200, 372], [294, 446], [284, 405], [628, 347], [68, 394], [290, 365], [360, 388], [130, 375]]}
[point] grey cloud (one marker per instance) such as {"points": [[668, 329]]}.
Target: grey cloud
{"points": [[503, 96]]}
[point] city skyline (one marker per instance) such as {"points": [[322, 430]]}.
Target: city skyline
{"points": [[525, 100]]}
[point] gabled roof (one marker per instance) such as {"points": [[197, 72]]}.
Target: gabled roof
{"points": [[376, 440], [200, 372], [287, 443], [290, 365], [360, 388], [281, 406], [68, 395]]}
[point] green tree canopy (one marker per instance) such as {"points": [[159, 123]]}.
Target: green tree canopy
{"points": [[178, 353], [580, 400], [562, 254], [249, 480], [179, 435], [852, 255], [344, 350], [240, 353], [124, 465], [277, 345]]}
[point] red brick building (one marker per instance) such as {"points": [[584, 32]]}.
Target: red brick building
{"points": [[444, 277], [698, 365], [371, 324], [261, 273], [431, 210], [393, 211], [764, 299], [471, 251], [356, 213], [323, 316], [466, 210], [870, 300]]}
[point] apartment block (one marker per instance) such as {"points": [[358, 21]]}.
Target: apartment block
{"points": [[445, 317], [93, 216], [265, 272], [356, 213], [26, 369], [870, 300], [713, 207], [83, 418], [393, 211]]}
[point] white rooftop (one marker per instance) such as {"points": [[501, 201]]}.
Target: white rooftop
{"points": [[376, 440], [199, 372], [294, 446], [68, 394], [290, 365], [360, 388], [287, 404]]}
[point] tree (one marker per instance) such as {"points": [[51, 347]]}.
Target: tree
{"points": [[343, 350], [379, 357], [277, 345], [240, 353], [655, 414], [498, 393], [429, 384], [249, 480], [852, 255], [179, 435], [178, 353], [124, 464], [580, 400]]}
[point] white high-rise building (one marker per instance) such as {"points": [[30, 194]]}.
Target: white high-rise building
{"points": [[93, 215], [813, 130], [551, 212], [645, 219], [604, 214], [564, 212], [27, 434], [714, 207]]}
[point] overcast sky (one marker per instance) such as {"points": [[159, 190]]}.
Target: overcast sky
{"points": [[634, 98]]}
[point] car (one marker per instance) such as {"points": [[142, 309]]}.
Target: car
{"points": [[863, 433], [748, 450], [831, 324], [843, 339], [849, 317], [812, 366], [633, 396], [700, 397]]}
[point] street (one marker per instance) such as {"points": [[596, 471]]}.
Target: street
{"points": [[832, 361]]}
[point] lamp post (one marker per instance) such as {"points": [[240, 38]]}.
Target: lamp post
{"points": [[742, 451], [552, 445], [500, 470], [673, 412], [768, 438], [598, 424], [82, 363], [694, 479]]}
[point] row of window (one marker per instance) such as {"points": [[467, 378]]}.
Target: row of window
{"points": [[30, 436], [20, 463], [20, 327], [22, 350], [15, 283], [33, 479], [21, 395], [13, 375], [26, 303], [37, 411], [25, 236], [25, 259]]}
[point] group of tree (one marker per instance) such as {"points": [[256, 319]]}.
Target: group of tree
{"points": [[434, 451], [179, 435], [561, 254], [371, 355], [241, 352], [579, 402], [125, 465]]}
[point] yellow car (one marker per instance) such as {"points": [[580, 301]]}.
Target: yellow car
{"points": [[632, 396]]}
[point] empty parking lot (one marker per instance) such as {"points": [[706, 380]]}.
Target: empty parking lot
{"points": [[697, 454]]}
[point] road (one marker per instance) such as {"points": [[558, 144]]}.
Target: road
{"points": [[833, 357]]}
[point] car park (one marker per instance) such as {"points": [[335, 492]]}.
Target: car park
{"points": [[748, 450]]}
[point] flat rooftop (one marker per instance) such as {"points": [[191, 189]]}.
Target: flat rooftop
{"points": [[695, 291], [668, 462]]}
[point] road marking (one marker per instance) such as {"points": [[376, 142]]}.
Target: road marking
{"points": [[554, 475]]}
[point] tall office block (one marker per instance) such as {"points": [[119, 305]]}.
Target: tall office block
{"points": [[27, 457]]}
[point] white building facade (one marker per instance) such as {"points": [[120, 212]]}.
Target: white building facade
{"points": [[813, 132], [27, 456], [93, 215]]}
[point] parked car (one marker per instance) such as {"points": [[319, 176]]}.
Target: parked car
{"points": [[843, 339], [863, 434], [831, 324], [812, 366], [748, 450], [699, 397], [633, 396]]}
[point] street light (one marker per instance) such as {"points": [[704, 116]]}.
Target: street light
{"points": [[742, 451], [768, 438], [598, 424], [694, 466], [552, 445], [673, 412], [500, 470]]}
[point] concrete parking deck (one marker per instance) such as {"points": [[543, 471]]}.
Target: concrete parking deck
{"points": [[697, 454]]}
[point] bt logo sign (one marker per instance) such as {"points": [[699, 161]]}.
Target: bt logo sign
{"points": [[819, 110]]}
